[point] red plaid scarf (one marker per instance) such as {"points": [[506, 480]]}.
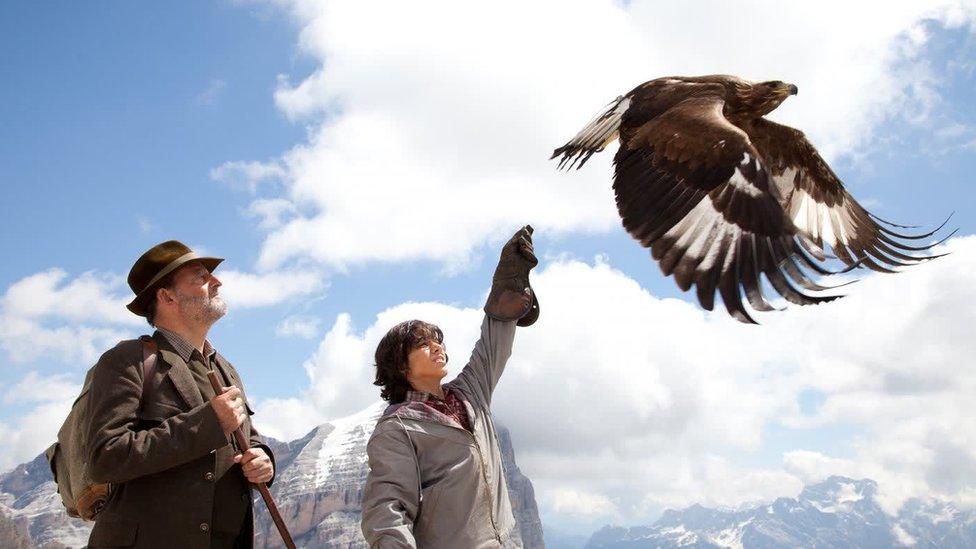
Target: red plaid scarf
{"points": [[451, 406]]}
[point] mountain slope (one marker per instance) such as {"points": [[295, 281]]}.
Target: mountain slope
{"points": [[318, 490], [838, 512]]}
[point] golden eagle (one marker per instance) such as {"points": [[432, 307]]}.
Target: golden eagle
{"points": [[722, 196]]}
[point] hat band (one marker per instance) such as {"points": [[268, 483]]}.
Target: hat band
{"points": [[169, 268]]}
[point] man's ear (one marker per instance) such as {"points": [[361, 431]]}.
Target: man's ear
{"points": [[165, 295]]}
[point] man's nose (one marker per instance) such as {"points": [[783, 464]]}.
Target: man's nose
{"points": [[214, 281]]}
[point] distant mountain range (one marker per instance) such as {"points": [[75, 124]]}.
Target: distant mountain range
{"points": [[838, 512], [318, 490]]}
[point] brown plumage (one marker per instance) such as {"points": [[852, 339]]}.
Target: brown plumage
{"points": [[723, 196]]}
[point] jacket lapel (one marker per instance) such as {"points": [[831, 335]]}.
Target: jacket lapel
{"points": [[226, 376], [179, 373]]}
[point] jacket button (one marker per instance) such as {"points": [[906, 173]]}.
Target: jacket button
{"points": [[204, 527], [209, 476]]}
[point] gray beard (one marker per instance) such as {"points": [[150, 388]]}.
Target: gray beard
{"points": [[204, 310]]}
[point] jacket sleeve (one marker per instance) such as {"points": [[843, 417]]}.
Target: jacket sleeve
{"points": [[489, 357], [257, 441], [391, 498], [117, 451]]}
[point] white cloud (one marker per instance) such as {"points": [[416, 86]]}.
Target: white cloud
{"points": [[30, 433], [75, 320], [248, 290], [812, 467], [288, 418], [429, 119], [642, 403], [580, 504], [272, 212], [303, 326], [36, 388], [247, 175], [91, 296]]}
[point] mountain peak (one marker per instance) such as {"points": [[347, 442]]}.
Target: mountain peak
{"points": [[837, 492]]}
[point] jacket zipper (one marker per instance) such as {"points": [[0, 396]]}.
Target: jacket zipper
{"points": [[484, 472]]}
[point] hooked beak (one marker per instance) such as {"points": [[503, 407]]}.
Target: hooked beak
{"points": [[791, 89]]}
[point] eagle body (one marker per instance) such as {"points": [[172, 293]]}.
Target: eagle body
{"points": [[724, 197]]}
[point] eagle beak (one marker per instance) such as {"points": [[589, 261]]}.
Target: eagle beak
{"points": [[792, 89]]}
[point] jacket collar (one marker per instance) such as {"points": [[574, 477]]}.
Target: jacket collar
{"points": [[415, 407], [182, 347], [173, 366]]}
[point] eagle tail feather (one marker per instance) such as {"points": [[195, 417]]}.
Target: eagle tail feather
{"points": [[594, 137]]}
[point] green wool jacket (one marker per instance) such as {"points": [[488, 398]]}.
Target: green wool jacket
{"points": [[159, 451]]}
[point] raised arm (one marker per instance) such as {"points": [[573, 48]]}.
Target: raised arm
{"points": [[489, 357], [511, 303], [391, 497]]}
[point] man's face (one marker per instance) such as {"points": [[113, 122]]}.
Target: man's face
{"points": [[429, 361], [196, 294]]}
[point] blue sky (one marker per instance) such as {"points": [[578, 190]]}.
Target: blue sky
{"points": [[390, 149]]}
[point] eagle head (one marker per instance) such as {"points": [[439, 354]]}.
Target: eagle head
{"points": [[768, 95]]}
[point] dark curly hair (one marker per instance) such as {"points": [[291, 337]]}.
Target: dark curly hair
{"points": [[391, 356]]}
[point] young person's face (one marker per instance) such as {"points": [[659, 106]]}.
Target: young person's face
{"points": [[427, 362]]}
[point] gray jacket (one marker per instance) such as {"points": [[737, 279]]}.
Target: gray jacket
{"points": [[431, 482]]}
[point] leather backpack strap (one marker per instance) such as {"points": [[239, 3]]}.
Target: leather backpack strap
{"points": [[149, 350]]}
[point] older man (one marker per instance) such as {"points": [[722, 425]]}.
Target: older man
{"points": [[161, 435]]}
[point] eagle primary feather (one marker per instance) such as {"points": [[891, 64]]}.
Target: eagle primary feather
{"points": [[723, 196]]}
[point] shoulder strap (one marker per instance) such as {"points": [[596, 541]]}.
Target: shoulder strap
{"points": [[149, 349]]}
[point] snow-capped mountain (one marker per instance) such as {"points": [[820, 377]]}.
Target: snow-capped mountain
{"points": [[838, 512], [31, 513], [318, 490]]}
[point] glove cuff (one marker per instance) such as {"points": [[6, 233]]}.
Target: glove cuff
{"points": [[509, 300]]}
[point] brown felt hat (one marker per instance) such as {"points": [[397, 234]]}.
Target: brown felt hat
{"points": [[155, 264]]}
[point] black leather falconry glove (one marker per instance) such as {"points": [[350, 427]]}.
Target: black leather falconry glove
{"points": [[511, 296]]}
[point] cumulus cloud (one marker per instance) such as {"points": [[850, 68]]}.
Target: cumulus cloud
{"points": [[76, 319], [249, 290], [28, 434], [580, 504], [427, 119], [271, 213], [635, 403], [288, 418], [48, 314]]}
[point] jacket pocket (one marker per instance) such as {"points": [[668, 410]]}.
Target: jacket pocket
{"points": [[427, 514], [113, 531]]}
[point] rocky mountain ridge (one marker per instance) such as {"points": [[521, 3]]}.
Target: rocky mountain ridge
{"points": [[318, 490], [838, 512]]}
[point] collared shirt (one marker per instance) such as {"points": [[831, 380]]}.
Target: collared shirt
{"points": [[451, 406], [198, 363]]}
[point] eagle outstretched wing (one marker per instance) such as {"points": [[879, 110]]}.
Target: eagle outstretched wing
{"points": [[820, 207], [691, 186], [724, 197]]}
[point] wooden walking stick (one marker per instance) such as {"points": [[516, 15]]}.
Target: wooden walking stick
{"points": [[243, 444]]}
